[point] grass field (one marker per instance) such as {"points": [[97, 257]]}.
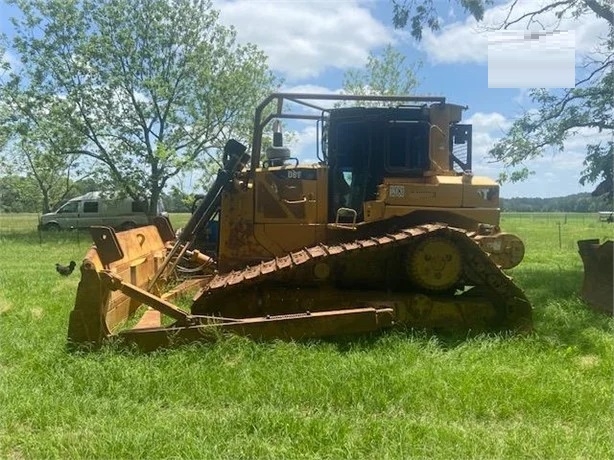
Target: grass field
{"points": [[392, 395]]}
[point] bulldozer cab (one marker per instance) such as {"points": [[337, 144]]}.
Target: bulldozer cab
{"points": [[367, 144], [362, 140]]}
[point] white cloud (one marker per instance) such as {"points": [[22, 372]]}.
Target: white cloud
{"points": [[309, 89], [489, 122], [303, 38], [522, 97], [304, 144], [467, 41]]}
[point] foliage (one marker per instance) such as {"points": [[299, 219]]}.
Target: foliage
{"points": [[417, 13], [51, 170], [18, 194], [177, 201], [587, 108], [5, 112], [579, 202], [558, 114], [386, 74], [142, 88]]}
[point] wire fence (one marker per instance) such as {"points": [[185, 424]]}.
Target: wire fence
{"points": [[12, 223], [548, 217], [27, 223]]}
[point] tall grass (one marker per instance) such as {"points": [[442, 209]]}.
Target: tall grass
{"points": [[402, 394]]}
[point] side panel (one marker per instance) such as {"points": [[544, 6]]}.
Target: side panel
{"points": [[285, 209], [237, 243], [480, 215], [480, 192], [280, 239], [68, 215], [414, 194], [291, 207], [476, 198], [288, 194], [90, 214]]}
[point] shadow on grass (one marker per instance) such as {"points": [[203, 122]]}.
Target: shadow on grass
{"points": [[560, 317], [555, 296]]}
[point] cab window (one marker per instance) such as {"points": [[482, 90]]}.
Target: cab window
{"points": [[90, 206], [408, 147], [139, 206], [71, 206]]}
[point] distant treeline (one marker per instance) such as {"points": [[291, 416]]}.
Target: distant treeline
{"points": [[579, 202]]}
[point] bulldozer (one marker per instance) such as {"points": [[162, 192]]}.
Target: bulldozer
{"points": [[386, 226]]}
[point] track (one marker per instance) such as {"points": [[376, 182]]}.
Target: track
{"points": [[367, 272]]}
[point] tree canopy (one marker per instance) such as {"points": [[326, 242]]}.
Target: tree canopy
{"points": [[144, 89], [557, 114], [384, 74]]}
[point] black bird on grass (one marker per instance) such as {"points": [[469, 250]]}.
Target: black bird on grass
{"points": [[65, 270]]}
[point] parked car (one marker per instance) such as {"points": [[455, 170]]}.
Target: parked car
{"points": [[94, 208]]}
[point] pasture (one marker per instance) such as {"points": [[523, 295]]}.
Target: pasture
{"points": [[402, 394]]}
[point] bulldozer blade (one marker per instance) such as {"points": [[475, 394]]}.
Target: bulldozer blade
{"points": [[598, 274], [108, 248], [284, 327], [165, 229], [132, 256]]}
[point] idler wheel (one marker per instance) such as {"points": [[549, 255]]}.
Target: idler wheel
{"points": [[435, 264]]}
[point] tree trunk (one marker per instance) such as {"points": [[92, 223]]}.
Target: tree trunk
{"points": [[153, 201], [46, 204]]}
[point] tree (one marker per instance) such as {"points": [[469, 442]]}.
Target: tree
{"points": [[29, 151], [384, 74], [51, 171], [143, 88], [557, 114], [18, 194], [4, 107], [418, 13]]}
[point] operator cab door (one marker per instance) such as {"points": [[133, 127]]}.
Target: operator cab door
{"points": [[349, 153], [368, 144]]}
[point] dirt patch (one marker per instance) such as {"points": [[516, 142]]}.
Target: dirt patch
{"points": [[5, 306], [588, 361]]}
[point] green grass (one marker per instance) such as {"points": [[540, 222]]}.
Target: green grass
{"points": [[392, 395]]}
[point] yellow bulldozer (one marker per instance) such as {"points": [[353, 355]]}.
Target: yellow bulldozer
{"points": [[388, 227]]}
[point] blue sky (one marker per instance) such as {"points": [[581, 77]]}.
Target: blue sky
{"points": [[311, 43]]}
